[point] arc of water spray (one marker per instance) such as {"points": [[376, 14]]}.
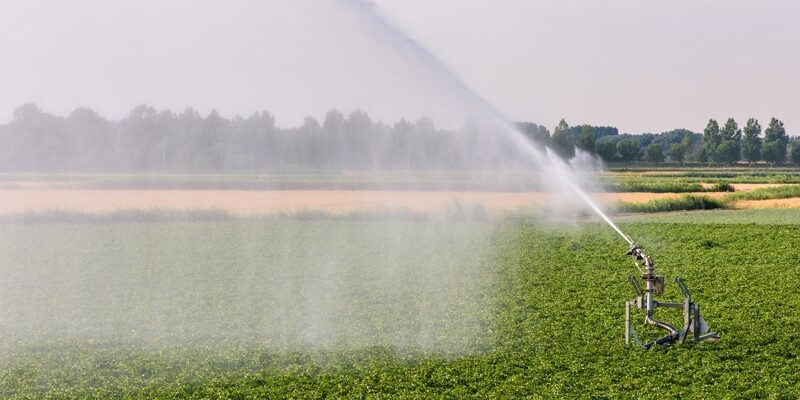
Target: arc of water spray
{"points": [[369, 10], [585, 197]]}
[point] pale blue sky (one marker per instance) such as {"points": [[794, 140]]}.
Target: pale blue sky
{"points": [[638, 65]]}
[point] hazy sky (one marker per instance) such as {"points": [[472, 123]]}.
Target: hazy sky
{"points": [[642, 66]]}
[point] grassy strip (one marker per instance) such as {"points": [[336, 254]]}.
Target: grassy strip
{"points": [[650, 185], [683, 203], [731, 176], [780, 192], [694, 202], [629, 186]]}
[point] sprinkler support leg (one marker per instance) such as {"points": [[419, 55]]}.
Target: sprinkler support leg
{"points": [[696, 325], [627, 322]]}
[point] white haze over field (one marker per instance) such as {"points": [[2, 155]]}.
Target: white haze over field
{"points": [[291, 59], [422, 285], [640, 66]]}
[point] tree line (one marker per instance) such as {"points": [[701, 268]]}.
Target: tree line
{"points": [[151, 140], [727, 144]]}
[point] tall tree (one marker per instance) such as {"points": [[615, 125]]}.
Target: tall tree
{"points": [[561, 142], [677, 152], [751, 142], [653, 153], [333, 130], [711, 139], [689, 146], [628, 150], [358, 127], [731, 131], [35, 141], [729, 148], [88, 141], [536, 133], [586, 140], [775, 142], [607, 150], [727, 152], [794, 152]]}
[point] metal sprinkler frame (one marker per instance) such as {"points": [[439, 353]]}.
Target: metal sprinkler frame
{"points": [[654, 285]]}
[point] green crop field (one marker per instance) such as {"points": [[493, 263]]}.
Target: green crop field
{"points": [[271, 308]]}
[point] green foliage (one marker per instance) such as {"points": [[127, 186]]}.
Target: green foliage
{"points": [[536, 133], [794, 152], [702, 154], [689, 146], [562, 142], [778, 192], [677, 152], [683, 203], [773, 152], [775, 142], [586, 140], [721, 187], [555, 319], [751, 142], [768, 216], [713, 175], [150, 140], [652, 186], [730, 131], [729, 149], [711, 139], [627, 150], [607, 150], [695, 202], [653, 153], [727, 152]]}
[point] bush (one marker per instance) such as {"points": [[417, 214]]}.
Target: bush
{"points": [[722, 187]]}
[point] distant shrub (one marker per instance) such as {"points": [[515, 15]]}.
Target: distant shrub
{"points": [[722, 187]]}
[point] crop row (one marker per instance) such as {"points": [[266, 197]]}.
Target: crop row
{"points": [[385, 309]]}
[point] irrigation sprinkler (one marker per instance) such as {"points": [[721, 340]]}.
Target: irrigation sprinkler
{"points": [[654, 285]]}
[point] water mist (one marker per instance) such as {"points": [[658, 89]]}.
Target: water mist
{"points": [[558, 177], [303, 282]]}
